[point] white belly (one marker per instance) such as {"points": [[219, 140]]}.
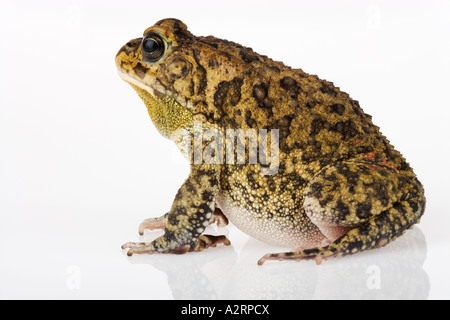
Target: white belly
{"points": [[276, 231]]}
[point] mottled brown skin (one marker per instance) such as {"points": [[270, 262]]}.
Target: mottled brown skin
{"points": [[341, 187]]}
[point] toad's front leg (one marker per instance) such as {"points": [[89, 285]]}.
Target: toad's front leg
{"points": [[190, 214], [160, 223]]}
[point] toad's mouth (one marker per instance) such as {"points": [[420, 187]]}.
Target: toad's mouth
{"points": [[136, 83]]}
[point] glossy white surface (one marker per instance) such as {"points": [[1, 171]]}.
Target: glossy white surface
{"points": [[81, 164]]}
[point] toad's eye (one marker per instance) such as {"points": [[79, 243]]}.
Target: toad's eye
{"points": [[153, 46]]}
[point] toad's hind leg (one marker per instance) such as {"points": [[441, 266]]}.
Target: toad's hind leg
{"points": [[358, 205]]}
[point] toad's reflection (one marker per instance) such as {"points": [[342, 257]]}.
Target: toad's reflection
{"points": [[197, 275], [393, 272]]}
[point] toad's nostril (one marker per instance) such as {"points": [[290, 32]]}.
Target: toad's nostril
{"points": [[131, 45]]}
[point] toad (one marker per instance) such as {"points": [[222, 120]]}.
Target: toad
{"points": [[316, 174]]}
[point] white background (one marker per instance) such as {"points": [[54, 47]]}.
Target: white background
{"points": [[81, 164]]}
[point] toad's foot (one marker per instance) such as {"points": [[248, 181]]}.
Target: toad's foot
{"points": [[295, 256], [219, 218], [153, 224], [160, 223], [203, 242], [299, 253], [206, 241]]}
